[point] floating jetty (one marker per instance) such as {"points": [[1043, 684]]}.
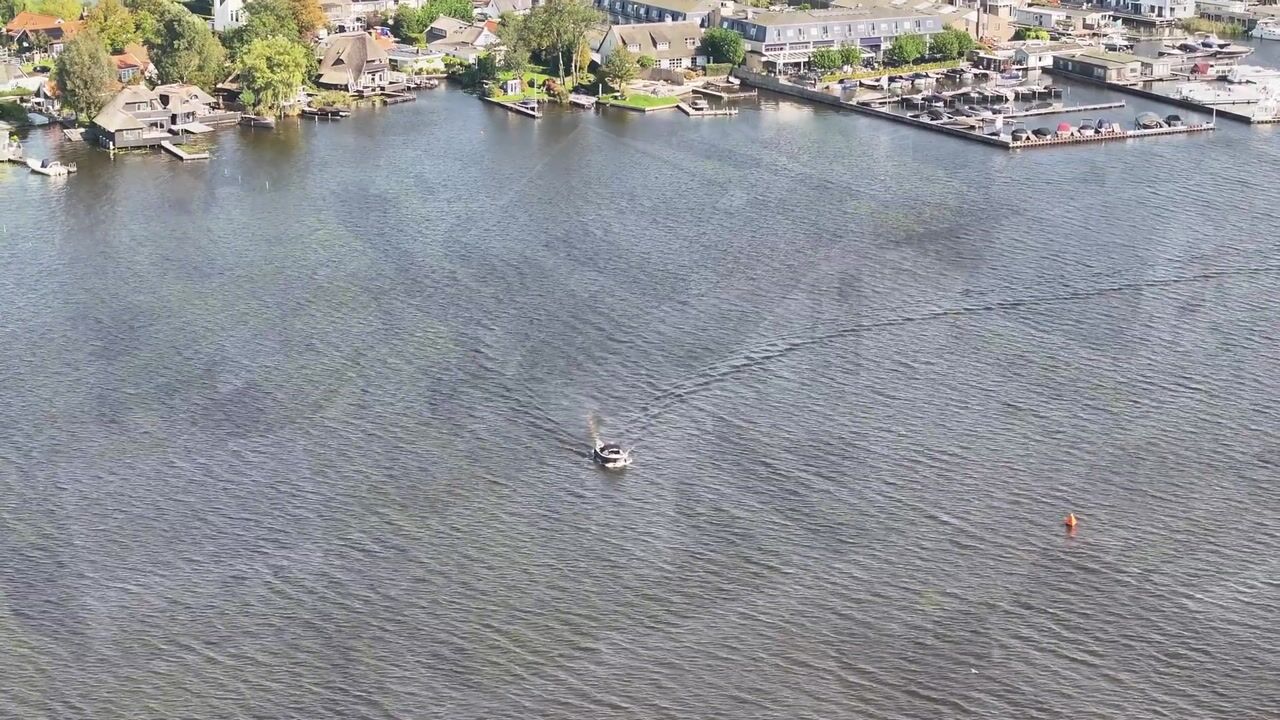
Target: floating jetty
{"points": [[582, 101], [691, 111], [1217, 112], [516, 107], [725, 92], [181, 154]]}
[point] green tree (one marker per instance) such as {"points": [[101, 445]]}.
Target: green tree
{"points": [[619, 69], [952, 44], [9, 9], [65, 9], [84, 74], [273, 69], [723, 45], [267, 19], [113, 23], [187, 51], [146, 17], [906, 49], [1026, 33], [557, 27], [849, 55], [826, 59], [644, 62]]}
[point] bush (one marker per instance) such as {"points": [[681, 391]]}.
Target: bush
{"points": [[13, 113], [646, 61], [718, 69], [1029, 33], [331, 98], [16, 92]]}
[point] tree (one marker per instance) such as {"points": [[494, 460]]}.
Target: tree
{"points": [[557, 27], [307, 15], [84, 74], [146, 17], [113, 23], [906, 49], [644, 62], [723, 45], [187, 52], [1026, 33], [267, 19], [849, 55], [9, 9], [65, 9], [826, 59], [273, 69], [952, 44], [619, 69]]}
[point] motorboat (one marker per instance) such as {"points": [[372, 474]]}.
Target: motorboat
{"points": [[699, 104], [1173, 120], [1266, 29], [1116, 42], [1251, 74], [1020, 135], [258, 121], [1042, 133], [1065, 129], [1011, 77], [1222, 48], [1171, 51], [610, 455], [52, 168], [1191, 49], [1209, 94], [1087, 127], [1149, 121]]}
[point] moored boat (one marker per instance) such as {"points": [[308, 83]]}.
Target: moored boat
{"points": [[1149, 121], [52, 168]]}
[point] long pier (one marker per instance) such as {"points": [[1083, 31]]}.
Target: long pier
{"points": [[181, 154], [1001, 141], [1060, 110], [1152, 95]]}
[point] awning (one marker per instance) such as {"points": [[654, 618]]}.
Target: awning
{"points": [[788, 56]]}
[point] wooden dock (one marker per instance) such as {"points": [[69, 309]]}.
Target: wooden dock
{"points": [[689, 110], [582, 101], [181, 154], [725, 95], [516, 108], [1060, 109], [1105, 136]]}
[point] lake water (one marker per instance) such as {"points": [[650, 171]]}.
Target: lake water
{"points": [[300, 431]]}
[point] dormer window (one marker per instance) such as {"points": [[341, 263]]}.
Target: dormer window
{"points": [[691, 43], [664, 46], [633, 47]]}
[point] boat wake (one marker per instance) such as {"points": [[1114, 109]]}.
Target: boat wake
{"points": [[762, 354]]}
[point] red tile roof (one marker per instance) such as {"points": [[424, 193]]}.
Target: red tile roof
{"points": [[27, 20]]}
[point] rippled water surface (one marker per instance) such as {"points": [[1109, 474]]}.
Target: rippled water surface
{"points": [[298, 432]]}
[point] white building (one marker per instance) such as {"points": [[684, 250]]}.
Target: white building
{"points": [[1155, 9], [228, 14]]}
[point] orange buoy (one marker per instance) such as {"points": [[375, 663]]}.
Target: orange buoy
{"points": [[1070, 522]]}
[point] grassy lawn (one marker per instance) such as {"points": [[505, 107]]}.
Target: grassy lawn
{"points": [[640, 101]]}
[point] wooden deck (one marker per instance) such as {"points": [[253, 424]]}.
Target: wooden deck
{"points": [[711, 92], [709, 112], [516, 108], [582, 101], [181, 154]]}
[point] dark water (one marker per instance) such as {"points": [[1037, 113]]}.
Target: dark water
{"points": [[298, 432]]}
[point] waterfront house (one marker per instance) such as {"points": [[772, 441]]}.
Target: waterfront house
{"points": [[192, 109], [1112, 67], [352, 62], [498, 8], [991, 21], [415, 61], [652, 11], [1037, 54], [25, 32], [133, 64], [461, 39], [672, 45], [135, 117], [228, 14], [1158, 11], [775, 40]]}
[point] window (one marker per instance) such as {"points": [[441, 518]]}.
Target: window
{"points": [[691, 42], [633, 47], [664, 46]]}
